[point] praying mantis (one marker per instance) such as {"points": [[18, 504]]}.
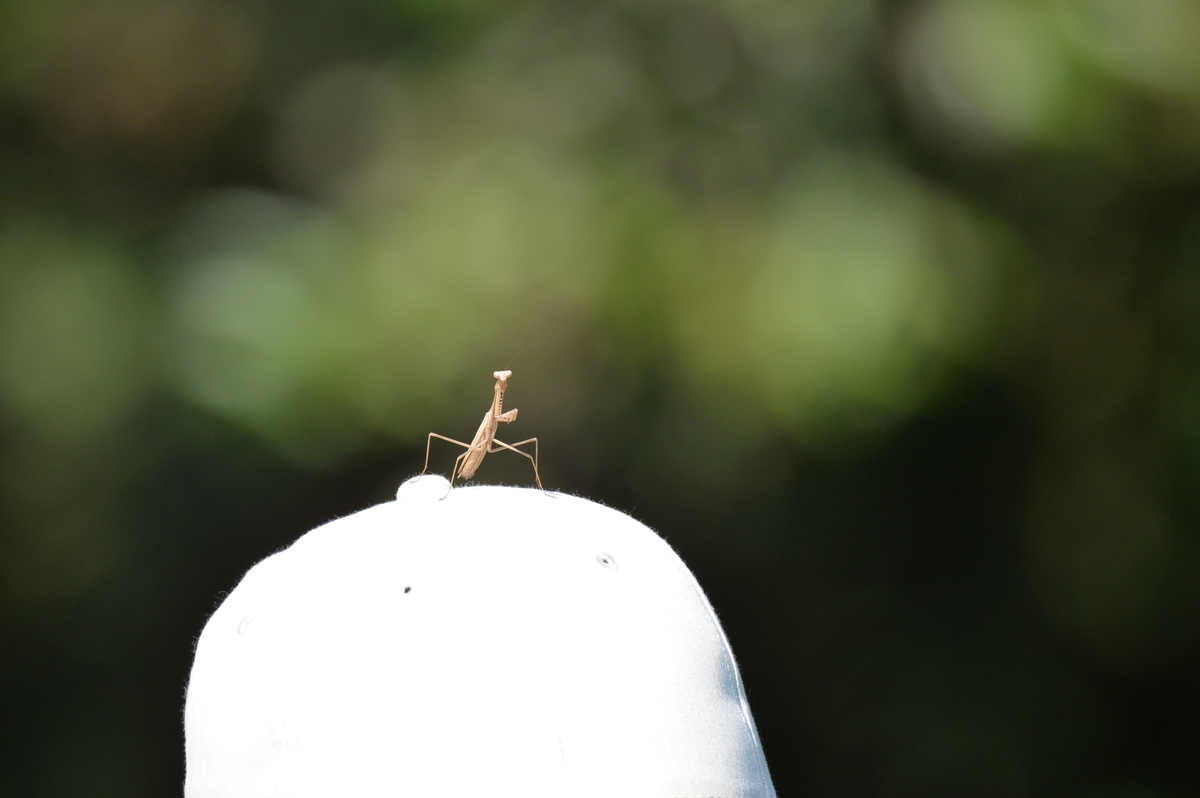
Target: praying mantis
{"points": [[485, 441]]}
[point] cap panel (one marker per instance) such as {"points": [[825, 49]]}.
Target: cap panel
{"points": [[433, 683], [236, 745], [238, 739], [646, 692]]}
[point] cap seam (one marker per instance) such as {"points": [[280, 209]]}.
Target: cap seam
{"points": [[730, 663]]}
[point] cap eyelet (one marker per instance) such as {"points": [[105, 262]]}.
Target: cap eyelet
{"points": [[606, 561]]}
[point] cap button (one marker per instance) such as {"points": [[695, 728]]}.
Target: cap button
{"points": [[423, 487]]}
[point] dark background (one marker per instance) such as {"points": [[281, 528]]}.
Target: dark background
{"points": [[882, 313]]}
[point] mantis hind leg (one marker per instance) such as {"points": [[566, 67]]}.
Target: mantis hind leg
{"points": [[454, 472], [497, 445]]}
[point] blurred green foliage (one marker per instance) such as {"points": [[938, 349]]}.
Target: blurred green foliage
{"points": [[883, 313]]}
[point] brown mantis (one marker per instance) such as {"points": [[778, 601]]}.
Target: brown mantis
{"points": [[485, 441]]}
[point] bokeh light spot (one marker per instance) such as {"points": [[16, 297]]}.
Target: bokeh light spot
{"points": [[72, 327], [989, 71], [162, 75], [1152, 43], [873, 287]]}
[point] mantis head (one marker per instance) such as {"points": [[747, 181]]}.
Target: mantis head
{"points": [[502, 375]]}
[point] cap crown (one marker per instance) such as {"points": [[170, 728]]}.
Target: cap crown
{"points": [[499, 642]]}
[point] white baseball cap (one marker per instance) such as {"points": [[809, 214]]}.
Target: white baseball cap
{"points": [[499, 642]]}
